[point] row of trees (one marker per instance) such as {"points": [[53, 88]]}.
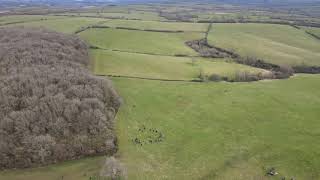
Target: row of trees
{"points": [[51, 108]]}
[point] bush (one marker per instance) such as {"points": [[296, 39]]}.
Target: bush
{"points": [[215, 77], [51, 108]]}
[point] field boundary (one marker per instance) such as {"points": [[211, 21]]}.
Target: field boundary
{"points": [[313, 35], [135, 29], [145, 78], [134, 52]]}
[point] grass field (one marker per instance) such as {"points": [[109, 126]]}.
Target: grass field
{"points": [[65, 25], [141, 41], [123, 14], [71, 170], [221, 130], [162, 67], [24, 18], [155, 25], [313, 30], [278, 44]]}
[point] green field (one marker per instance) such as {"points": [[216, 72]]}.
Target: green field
{"points": [[278, 44], [65, 25], [141, 41], [162, 67], [156, 25], [70, 170], [24, 18], [221, 130], [123, 14]]}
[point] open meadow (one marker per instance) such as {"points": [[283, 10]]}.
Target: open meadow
{"points": [[220, 130], [277, 44], [63, 24], [159, 43], [120, 14], [6, 20], [156, 25], [163, 67]]}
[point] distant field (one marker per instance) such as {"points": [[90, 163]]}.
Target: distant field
{"points": [[154, 25], [278, 44], [162, 67], [227, 16], [81, 169], [221, 130], [122, 14], [24, 18], [140, 41], [66, 24]]}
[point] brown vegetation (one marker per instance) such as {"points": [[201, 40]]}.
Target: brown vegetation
{"points": [[51, 108], [205, 50]]}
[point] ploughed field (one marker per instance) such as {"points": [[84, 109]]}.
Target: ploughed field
{"points": [[193, 130]]}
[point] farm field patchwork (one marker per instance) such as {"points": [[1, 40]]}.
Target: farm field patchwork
{"points": [[196, 130], [162, 67], [278, 44], [141, 41]]}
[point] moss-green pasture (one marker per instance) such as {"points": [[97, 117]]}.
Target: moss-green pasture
{"points": [[278, 44], [141, 41], [65, 25], [162, 67], [25, 18], [221, 130], [121, 14], [81, 169], [156, 25]]}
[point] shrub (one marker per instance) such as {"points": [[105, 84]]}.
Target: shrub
{"points": [[215, 77]]}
